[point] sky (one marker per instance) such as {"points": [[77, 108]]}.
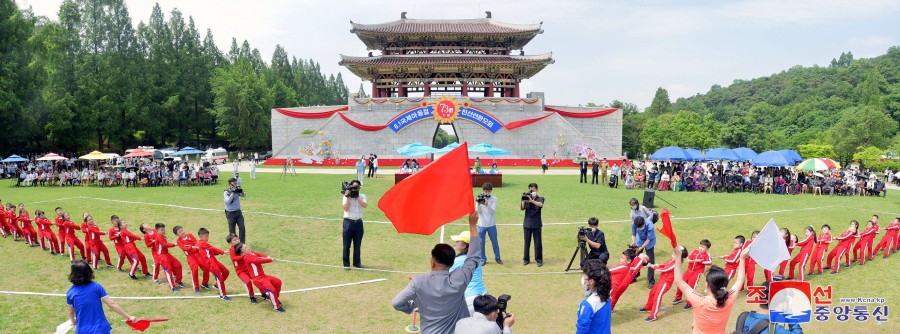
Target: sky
{"points": [[604, 50]]}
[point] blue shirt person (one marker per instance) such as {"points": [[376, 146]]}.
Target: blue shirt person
{"points": [[644, 237], [595, 311], [84, 300]]}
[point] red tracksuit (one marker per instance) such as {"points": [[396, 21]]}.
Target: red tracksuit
{"points": [[97, 246], [150, 240], [217, 269], [28, 231], [819, 253], [865, 239], [694, 269], [72, 240], [87, 242], [12, 221], [732, 261], [170, 265], [114, 236], [784, 263], [130, 250], [802, 257], [5, 229], [666, 279], [269, 285], [842, 249], [749, 266], [621, 277], [46, 232], [60, 223], [888, 241], [240, 269], [195, 262]]}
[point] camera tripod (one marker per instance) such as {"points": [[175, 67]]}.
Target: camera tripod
{"points": [[580, 249], [288, 169]]}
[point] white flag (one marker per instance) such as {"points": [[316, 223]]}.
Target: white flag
{"points": [[769, 249]]}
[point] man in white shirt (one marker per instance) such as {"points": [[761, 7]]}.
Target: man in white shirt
{"points": [[484, 321], [353, 202], [487, 221]]}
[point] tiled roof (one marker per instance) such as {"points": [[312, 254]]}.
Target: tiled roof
{"points": [[445, 59], [470, 26]]}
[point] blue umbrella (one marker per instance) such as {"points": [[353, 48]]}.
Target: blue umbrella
{"points": [[488, 149], [671, 153], [416, 149], [695, 154], [744, 153], [14, 158], [721, 153], [792, 155], [447, 148], [188, 151], [772, 159]]}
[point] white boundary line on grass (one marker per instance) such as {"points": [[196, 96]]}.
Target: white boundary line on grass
{"points": [[421, 272], [192, 297], [387, 222]]}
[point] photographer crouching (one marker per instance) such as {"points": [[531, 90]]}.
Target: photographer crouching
{"points": [[233, 208], [490, 314], [595, 240], [354, 203]]}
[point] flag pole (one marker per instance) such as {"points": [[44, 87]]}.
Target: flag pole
{"points": [[442, 234]]}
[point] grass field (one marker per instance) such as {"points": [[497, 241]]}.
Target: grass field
{"points": [[308, 230]]}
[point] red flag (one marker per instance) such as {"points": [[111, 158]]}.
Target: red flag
{"points": [[666, 229], [143, 324], [438, 194]]}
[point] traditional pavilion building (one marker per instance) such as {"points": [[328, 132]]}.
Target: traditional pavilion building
{"points": [[464, 73], [440, 57]]}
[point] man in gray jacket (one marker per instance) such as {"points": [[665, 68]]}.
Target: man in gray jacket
{"points": [[439, 295]]}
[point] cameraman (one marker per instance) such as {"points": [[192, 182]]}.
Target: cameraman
{"points": [[487, 221], [353, 224], [484, 320], [233, 208], [596, 241], [532, 204]]}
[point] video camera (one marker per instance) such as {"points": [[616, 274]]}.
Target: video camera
{"points": [[583, 231], [353, 188], [501, 308], [526, 196], [237, 190], [482, 198]]}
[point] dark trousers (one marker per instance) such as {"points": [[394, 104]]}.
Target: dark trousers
{"points": [[594, 178], [650, 271], [583, 177], [371, 171], [236, 218], [538, 247], [353, 232]]}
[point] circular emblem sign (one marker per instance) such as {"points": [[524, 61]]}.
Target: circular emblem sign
{"points": [[445, 110]]}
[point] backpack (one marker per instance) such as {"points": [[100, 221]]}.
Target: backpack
{"points": [[761, 326]]}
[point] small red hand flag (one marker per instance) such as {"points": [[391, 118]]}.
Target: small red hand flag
{"points": [[666, 229], [142, 324], [438, 194]]}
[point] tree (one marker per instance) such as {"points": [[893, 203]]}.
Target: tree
{"points": [[860, 127], [242, 104], [442, 138], [809, 151], [868, 155], [661, 104], [17, 78]]}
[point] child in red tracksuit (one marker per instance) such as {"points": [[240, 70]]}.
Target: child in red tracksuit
{"points": [[845, 241], [697, 262], [888, 241], [208, 255], [114, 236], [71, 240], [869, 244], [24, 219], [134, 255], [12, 221], [46, 232], [749, 263], [188, 244], [733, 260], [269, 285], [820, 251], [666, 279], [621, 275], [866, 237], [240, 268], [802, 257], [150, 240], [87, 236], [97, 246], [4, 226], [789, 243], [60, 224], [170, 265]]}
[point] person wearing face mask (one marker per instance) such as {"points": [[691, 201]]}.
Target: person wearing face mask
{"points": [[532, 205], [595, 311], [596, 241]]}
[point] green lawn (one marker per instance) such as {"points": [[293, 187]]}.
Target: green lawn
{"points": [[307, 229]]}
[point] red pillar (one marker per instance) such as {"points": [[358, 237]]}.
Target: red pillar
{"points": [[427, 88], [490, 90], [401, 92], [374, 89], [515, 92], [465, 88]]}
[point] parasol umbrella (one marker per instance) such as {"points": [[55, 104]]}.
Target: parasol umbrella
{"points": [[95, 155], [791, 154], [744, 153], [488, 149], [447, 148], [817, 164], [14, 158], [721, 153], [51, 157], [137, 153], [771, 159], [695, 154], [416, 149], [671, 153], [187, 150], [818, 174]]}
